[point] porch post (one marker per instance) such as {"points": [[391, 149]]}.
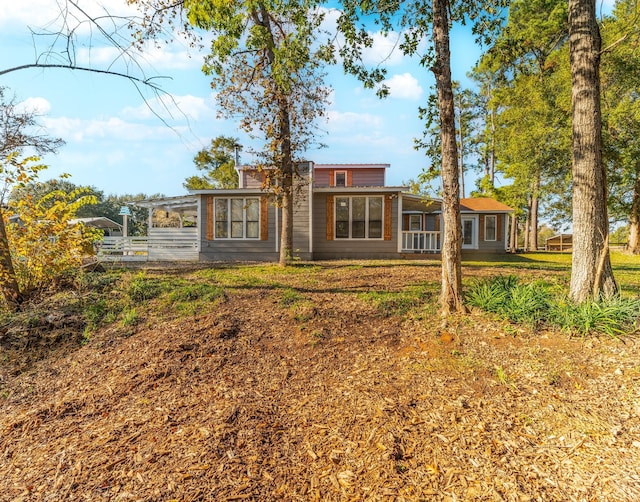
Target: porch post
{"points": [[399, 224]]}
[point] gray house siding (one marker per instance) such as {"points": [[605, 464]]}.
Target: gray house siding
{"points": [[493, 246], [301, 230], [239, 249], [325, 249], [361, 177]]}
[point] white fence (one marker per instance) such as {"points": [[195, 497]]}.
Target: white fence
{"points": [[170, 247], [421, 242]]}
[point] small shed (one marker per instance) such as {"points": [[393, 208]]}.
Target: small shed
{"points": [[559, 242]]}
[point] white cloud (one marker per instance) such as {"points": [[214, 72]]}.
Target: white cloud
{"points": [[171, 108], [351, 122], [404, 86], [36, 105], [43, 13], [164, 57], [110, 129], [385, 50]]}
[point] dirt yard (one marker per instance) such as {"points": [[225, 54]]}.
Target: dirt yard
{"points": [[327, 394]]}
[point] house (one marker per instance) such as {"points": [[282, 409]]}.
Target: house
{"points": [[342, 211]]}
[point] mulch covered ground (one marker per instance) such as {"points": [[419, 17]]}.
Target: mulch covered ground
{"points": [[328, 399]]}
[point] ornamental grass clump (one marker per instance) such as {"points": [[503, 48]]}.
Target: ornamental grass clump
{"points": [[538, 304], [615, 316]]}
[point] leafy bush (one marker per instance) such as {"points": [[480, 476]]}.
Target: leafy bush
{"points": [[44, 246]]}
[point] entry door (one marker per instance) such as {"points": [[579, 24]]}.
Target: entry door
{"points": [[470, 232]]}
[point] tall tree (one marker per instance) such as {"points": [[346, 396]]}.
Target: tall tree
{"points": [[267, 69], [621, 115], [591, 272], [218, 162], [531, 113], [417, 21]]}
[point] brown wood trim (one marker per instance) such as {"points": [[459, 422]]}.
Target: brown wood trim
{"points": [[264, 218], [405, 222], [499, 227], [330, 207], [209, 209], [349, 180], [387, 217], [332, 177], [481, 229]]}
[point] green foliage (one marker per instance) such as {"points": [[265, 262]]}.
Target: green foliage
{"points": [[218, 164], [196, 291], [613, 316], [142, 288], [44, 246], [538, 304], [390, 303]]}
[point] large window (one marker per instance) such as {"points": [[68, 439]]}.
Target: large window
{"points": [[490, 228], [237, 218], [358, 217]]}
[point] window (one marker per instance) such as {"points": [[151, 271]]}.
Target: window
{"points": [[358, 217], [415, 222], [341, 178], [490, 226], [237, 218], [467, 232]]}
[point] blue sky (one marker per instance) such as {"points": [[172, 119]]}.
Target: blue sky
{"points": [[115, 143]]}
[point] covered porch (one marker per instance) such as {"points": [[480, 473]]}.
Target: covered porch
{"points": [[420, 225], [172, 233]]}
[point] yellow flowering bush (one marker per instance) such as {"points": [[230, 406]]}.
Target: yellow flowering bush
{"points": [[43, 244]]}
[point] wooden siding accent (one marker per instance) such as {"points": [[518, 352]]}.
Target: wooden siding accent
{"points": [[264, 218], [332, 177], [387, 218], [209, 222], [329, 217], [349, 180], [405, 222], [499, 228], [437, 223], [481, 229]]}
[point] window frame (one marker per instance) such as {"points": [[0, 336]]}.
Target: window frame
{"points": [[335, 178], [229, 221], [338, 235], [495, 227]]}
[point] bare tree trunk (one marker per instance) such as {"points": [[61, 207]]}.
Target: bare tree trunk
{"points": [[634, 219], [451, 297], [527, 224], [591, 273], [8, 280], [533, 223], [513, 239], [461, 145]]}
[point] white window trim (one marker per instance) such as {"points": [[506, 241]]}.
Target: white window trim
{"points": [[495, 227], [229, 221], [366, 218], [474, 234], [335, 178]]}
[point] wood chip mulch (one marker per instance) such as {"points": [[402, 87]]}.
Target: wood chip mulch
{"points": [[256, 400]]}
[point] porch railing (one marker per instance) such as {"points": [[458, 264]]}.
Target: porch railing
{"points": [[421, 242], [148, 248]]}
